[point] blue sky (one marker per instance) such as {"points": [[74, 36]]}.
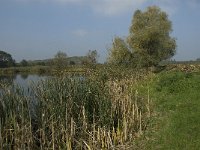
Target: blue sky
{"points": [[37, 29]]}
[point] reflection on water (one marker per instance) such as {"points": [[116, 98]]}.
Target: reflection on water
{"points": [[24, 76], [21, 84], [22, 80], [25, 81]]}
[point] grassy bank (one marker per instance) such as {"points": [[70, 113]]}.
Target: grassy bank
{"points": [[176, 121]]}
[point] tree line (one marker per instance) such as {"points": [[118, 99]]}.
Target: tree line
{"points": [[60, 60]]}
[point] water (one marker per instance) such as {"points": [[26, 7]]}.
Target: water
{"points": [[22, 80], [25, 82]]}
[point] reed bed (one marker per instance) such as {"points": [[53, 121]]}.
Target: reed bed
{"points": [[73, 113]]}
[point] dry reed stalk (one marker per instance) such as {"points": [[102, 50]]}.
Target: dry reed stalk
{"points": [[148, 104], [140, 122], [52, 134]]}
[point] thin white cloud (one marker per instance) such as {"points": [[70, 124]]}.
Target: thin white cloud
{"points": [[116, 7], [80, 33], [105, 7]]}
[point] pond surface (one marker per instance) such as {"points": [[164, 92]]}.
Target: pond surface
{"points": [[23, 80]]}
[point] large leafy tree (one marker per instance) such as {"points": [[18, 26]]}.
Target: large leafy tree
{"points": [[149, 41], [6, 60], [150, 38]]}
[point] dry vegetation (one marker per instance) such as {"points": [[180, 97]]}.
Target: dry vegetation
{"points": [[74, 113]]}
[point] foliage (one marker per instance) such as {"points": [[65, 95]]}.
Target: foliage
{"points": [[60, 60], [178, 82], [150, 36], [149, 40], [119, 53], [198, 59], [91, 57], [76, 59], [6, 60], [24, 63], [72, 62]]}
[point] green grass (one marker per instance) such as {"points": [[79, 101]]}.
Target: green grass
{"points": [[176, 125]]}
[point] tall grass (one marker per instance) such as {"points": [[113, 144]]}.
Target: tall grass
{"points": [[73, 113]]}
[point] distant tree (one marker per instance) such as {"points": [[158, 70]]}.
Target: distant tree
{"points": [[6, 60], [41, 63], [149, 37], [24, 63], [119, 53], [72, 62], [198, 59], [91, 57], [60, 60]]}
